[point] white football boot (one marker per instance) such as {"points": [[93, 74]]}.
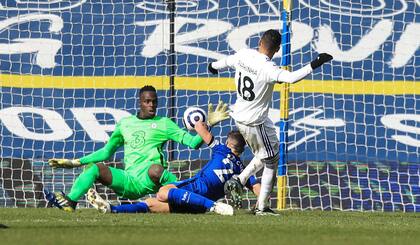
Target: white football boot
{"points": [[98, 202], [266, 212], [222, 208]]}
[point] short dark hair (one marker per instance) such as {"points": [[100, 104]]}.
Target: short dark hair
{"points": [[238, 141], [147, 88], [271, 39]]}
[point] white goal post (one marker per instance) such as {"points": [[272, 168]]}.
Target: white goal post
{"points": [[69, 70]]}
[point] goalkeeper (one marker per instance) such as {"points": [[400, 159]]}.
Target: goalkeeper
{"points": [[143, 136]]}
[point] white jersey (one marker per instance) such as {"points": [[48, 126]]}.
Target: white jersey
{"points": [[255, 77]]}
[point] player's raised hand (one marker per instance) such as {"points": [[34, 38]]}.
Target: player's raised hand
{"points": [[320, 60], [221, 113], [202, 129], [212, 70], [64, 163]]}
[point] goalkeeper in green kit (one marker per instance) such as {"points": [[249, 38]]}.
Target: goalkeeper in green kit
{"points": [[143, 137]]}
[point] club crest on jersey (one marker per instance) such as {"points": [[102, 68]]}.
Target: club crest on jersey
{"points": [[153, 125]]}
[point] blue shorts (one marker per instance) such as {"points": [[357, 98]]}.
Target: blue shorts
{"points": [[194, 185]]}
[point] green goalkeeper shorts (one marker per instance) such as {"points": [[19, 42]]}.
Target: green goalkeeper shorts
{"points": [[129, 186]]}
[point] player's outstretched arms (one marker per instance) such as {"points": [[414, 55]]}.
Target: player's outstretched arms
{"points": [[320, 60], [293, 77], [64, 163], [228, 61], [221, 113]]}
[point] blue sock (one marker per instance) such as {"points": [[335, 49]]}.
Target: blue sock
{"points": [[140, 207], [188, 199]]}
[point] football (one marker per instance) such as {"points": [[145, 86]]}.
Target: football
{"points": [[193, 115]]}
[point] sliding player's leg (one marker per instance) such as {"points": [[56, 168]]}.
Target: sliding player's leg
{"points": [[104, 206], [156, 206], [184, 197], [184, 200], [169, 199], [91, 174], [153, 205]]}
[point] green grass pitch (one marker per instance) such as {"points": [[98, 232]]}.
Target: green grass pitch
{"points": [[86, 226]]}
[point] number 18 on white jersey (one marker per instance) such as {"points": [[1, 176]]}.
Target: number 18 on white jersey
{"points": [[255, 77]]}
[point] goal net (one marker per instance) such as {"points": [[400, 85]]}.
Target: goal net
{"points": [[71, 69]]}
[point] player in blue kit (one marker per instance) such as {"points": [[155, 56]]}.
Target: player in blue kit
{"points": [[198, 194]]}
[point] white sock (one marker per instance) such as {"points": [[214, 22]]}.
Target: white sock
{"points": [[267, 182], [253, 167]]}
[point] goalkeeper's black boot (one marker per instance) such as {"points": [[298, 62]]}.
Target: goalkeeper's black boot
{"points": [[233, 189], [60, 200]]}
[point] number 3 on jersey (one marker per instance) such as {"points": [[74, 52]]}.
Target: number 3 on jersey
{"points": [[245, 87]]}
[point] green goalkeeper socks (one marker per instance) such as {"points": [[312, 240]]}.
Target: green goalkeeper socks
{"points": [[84, 182]]}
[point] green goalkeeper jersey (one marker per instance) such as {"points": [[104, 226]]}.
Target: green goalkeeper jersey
{"points": [[143, 141]]}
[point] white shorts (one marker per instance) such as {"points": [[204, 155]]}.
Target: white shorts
{"points": [[262, 139]]}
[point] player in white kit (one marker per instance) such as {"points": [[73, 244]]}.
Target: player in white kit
{"points": [[255, 77]]}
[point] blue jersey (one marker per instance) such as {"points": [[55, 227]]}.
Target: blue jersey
{"points": [[210, 180]]}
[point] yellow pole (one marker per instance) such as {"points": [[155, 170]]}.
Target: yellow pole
{"points": [[284, 107]]}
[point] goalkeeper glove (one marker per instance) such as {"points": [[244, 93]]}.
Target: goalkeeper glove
{"points": [[64, 163], [212, 70], [221, 113], [320, 60]]}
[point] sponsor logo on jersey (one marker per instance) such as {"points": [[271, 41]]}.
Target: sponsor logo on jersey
{"points": [[137, 139]]}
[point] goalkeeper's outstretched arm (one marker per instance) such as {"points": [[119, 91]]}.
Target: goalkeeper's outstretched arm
{"points": [[116, 140], [175, 133]]}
